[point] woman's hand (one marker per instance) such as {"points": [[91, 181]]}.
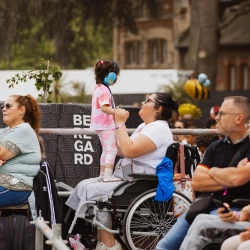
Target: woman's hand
{"points": [[242, 163], [121, 116], [2, 162], [228, 217]]}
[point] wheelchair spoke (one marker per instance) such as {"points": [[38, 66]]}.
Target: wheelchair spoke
{"points": [[147, 221]]}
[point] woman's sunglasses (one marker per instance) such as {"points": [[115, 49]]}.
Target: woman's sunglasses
{"points": [[7, 106]]}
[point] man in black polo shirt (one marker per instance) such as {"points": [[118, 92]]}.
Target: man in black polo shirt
{"points": [[214, 174]]}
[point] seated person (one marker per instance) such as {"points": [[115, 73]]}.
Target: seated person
{"points": [[241, 241], [147, 147], [213, 173], [20, 154], [220, 227]]}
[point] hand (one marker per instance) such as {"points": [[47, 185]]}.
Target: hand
{"points": [[121, 116], [245, 213], [242, 163], [2, 162], [228, 217], [245, 235]]}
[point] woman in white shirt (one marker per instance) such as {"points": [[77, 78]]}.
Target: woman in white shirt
{"points": [[147, 147]]}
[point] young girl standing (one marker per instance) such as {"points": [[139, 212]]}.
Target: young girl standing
{"points": [[102, 115]]}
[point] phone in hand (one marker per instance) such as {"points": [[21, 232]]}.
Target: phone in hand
{"points": [[219, 203]]}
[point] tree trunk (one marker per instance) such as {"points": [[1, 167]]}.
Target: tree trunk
{"points": [[204, 39]]}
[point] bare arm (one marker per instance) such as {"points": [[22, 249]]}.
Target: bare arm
{"points": [[107, 109], [141, 145], [6, 151], [231, 176], [203, 182]]}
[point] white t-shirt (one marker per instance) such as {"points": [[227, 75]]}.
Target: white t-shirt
{"points": [[160, 133]]}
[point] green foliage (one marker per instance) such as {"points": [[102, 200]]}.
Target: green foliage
{"points": [[61, 94], [177, 91], [43, 77]]}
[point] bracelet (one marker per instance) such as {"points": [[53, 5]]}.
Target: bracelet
{"points": [[225, 190], [120, 126]]}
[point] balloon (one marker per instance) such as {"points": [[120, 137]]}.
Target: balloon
{"points": [[207, 83], [202, 78], [196, 90]]}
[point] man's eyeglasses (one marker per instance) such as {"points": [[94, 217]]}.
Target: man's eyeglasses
{"points": [[148, 100], [221, 113], [7, 106]]}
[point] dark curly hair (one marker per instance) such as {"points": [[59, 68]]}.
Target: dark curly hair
{"points": [[205, 140]]}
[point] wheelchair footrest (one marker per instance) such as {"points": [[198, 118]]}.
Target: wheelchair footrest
{"points": [[89, 216]]}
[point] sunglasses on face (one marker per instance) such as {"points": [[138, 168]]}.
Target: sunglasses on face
{"points": [[7, 106], [148, 100]]}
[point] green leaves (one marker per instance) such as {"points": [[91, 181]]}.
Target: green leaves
{"points": [[44, 77]]}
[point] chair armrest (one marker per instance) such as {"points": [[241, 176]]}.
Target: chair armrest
{"points": [[243, 202]]}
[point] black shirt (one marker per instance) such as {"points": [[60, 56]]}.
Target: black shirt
{"points": [[219, 154]]}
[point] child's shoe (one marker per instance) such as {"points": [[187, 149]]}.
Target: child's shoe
{"points": [[111, 178]]}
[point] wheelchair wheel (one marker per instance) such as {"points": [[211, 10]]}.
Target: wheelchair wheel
{"points": [[147, 221]]}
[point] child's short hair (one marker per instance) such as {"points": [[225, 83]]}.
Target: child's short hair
{"points": [[205, 140]]}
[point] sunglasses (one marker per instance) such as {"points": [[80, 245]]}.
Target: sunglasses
{"points": [[148, 100], [7, 106]]}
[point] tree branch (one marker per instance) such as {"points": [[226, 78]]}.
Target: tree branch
{"points": [[243, 9]]}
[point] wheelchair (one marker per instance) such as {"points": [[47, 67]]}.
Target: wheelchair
{"points": [[138, 221]]}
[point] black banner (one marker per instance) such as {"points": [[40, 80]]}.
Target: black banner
{"points": [[74, 157]]}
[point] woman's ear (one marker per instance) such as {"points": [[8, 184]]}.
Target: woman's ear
{"points": [[159, 109], [22, 110]]}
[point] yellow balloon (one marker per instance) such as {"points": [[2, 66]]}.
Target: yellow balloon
{"points": [[196, 90]]}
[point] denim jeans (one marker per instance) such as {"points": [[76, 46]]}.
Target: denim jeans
{"points": [[174, 237], [13, 197]]}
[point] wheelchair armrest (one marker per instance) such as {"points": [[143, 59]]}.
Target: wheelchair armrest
{"points": [[243, 202], [143, 176], [120, 185]]}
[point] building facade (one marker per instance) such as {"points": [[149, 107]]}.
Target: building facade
{"points": [[162, 43]]}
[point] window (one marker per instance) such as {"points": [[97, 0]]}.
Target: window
{"points": [[232, 77], [157, 51], [245, 76], [133, 51]]}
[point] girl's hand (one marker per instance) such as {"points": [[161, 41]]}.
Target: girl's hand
{"points": [[242, 163], [2, 162], [245, 235], [121, 116]]}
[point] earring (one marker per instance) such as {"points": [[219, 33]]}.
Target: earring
{"points": [[155, 114]]}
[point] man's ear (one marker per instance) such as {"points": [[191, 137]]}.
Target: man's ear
{"points": [[239, 119]]}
